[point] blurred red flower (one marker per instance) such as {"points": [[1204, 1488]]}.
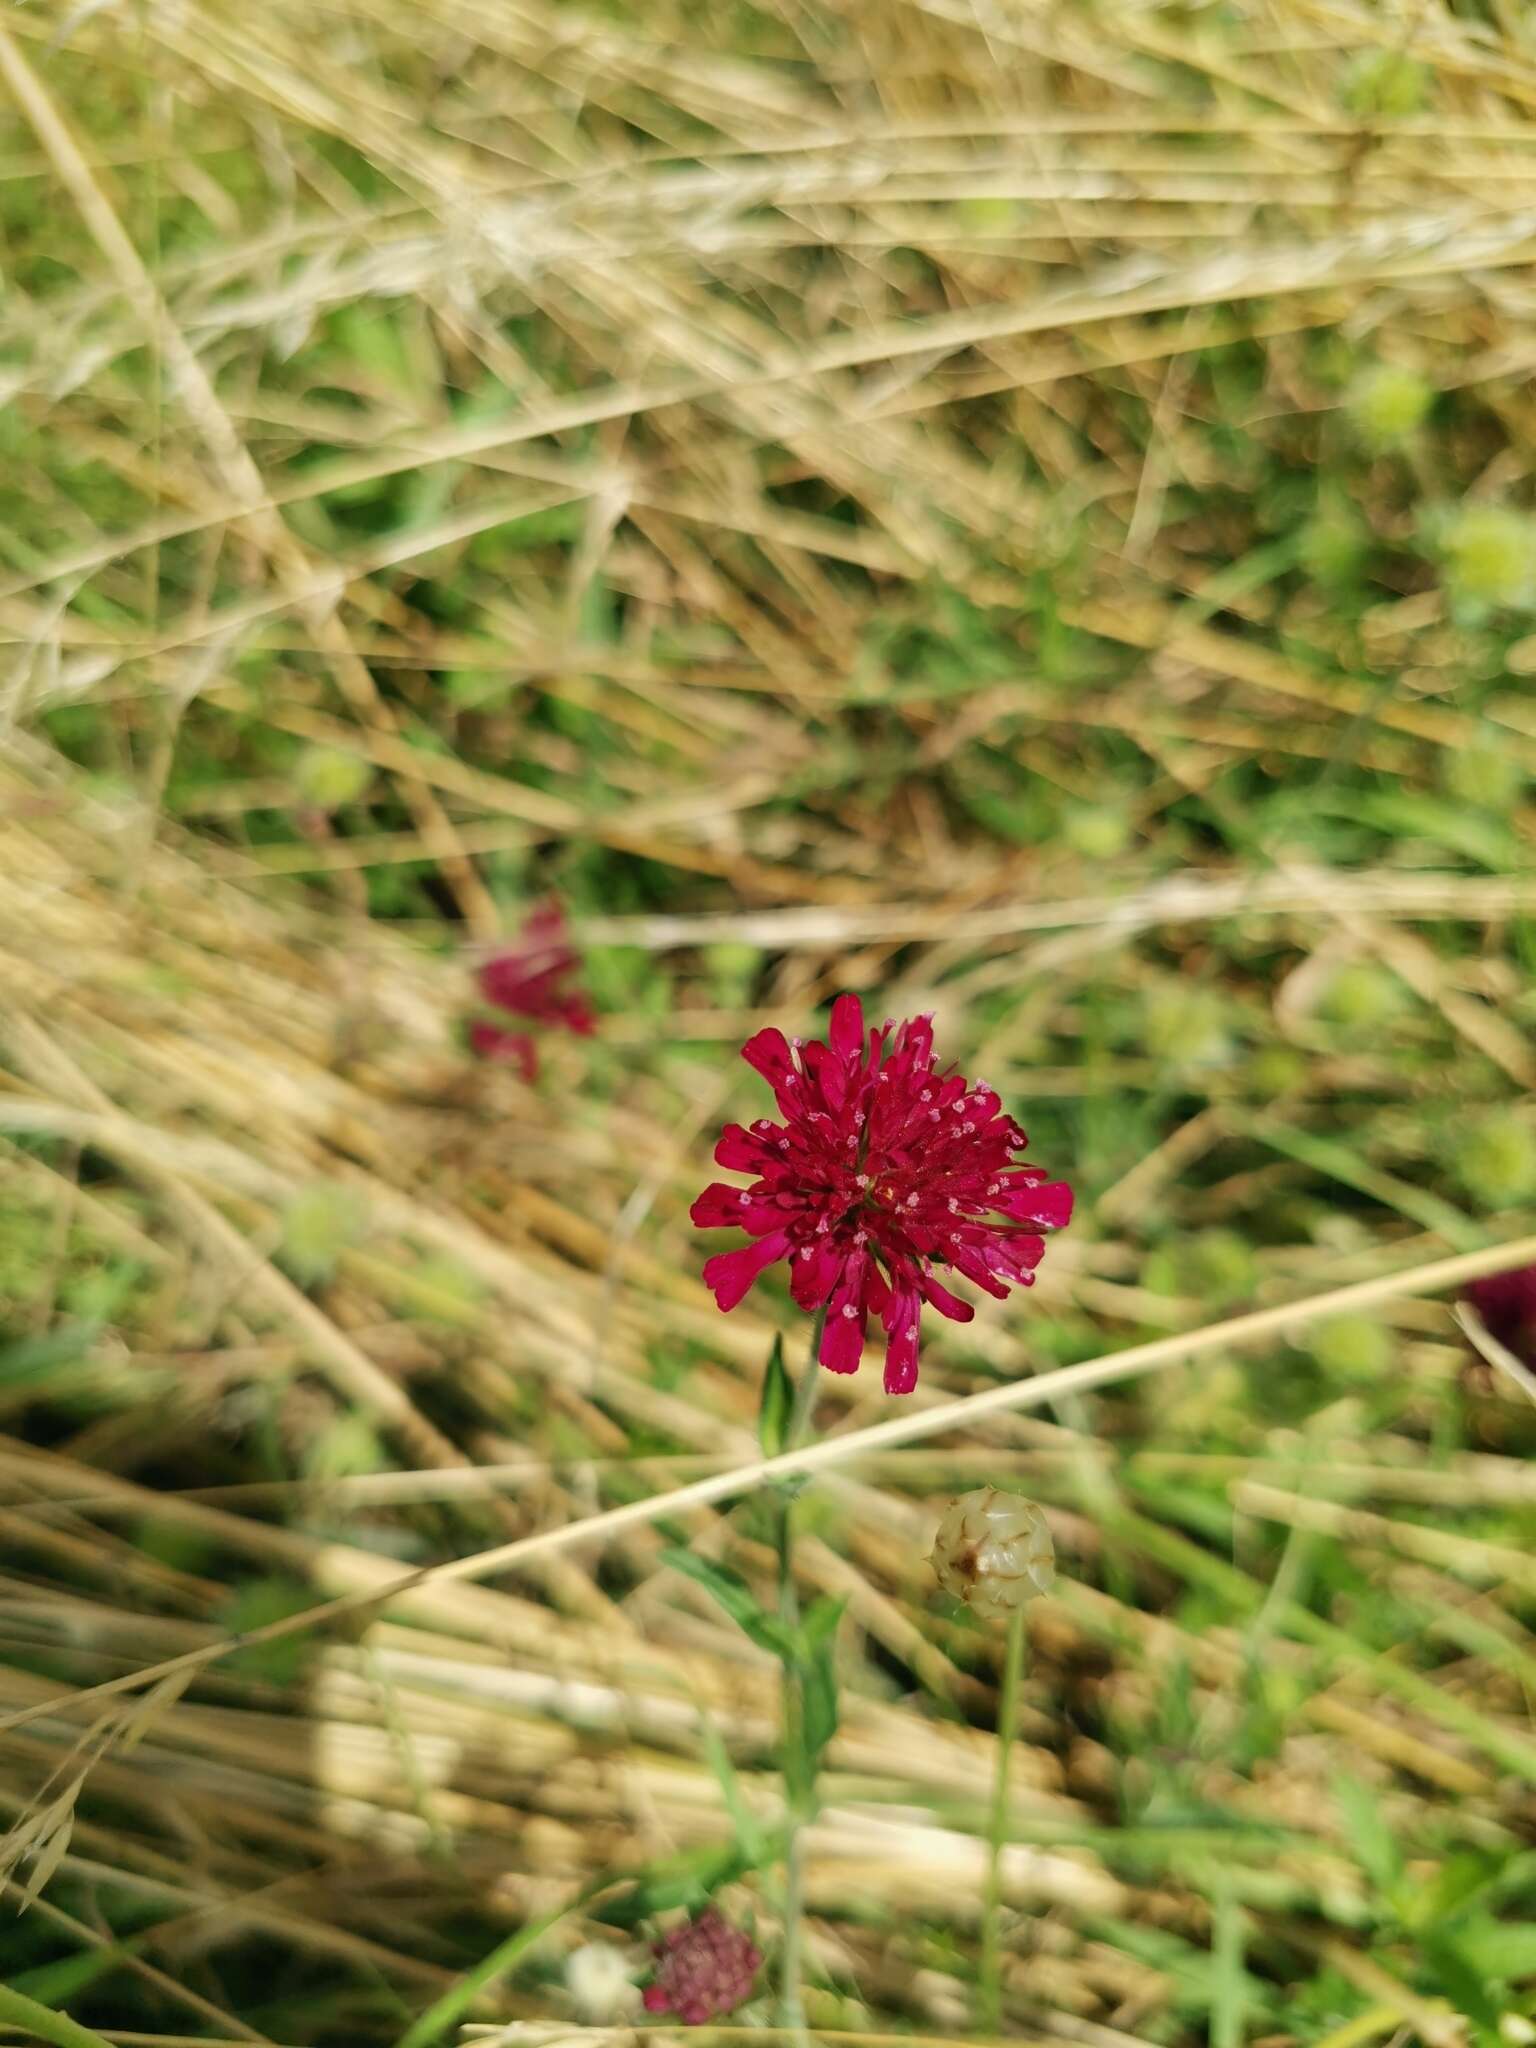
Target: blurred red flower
{"points": [[531, 978], [1507, 1304], [882, 1170], [704, 1970], [492, 1043]]}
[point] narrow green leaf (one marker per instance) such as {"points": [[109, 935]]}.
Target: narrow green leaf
{"points": [[777, 1402], [447, 2011], [1369, 1836], [1339, 1162], [53, 1982], [35, 1358], [799, 1774], [680, 1881], [749, 1834], [820, 1698], [1229, 1990], [56, 2028], [1457, 1980], [1498, 1951], [738, 1600], [819, 1622], [1451, 1891]]}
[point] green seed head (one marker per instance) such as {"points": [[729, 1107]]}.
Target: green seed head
{"points": [[1485, 776], [994, 1552], [1496, 1160], [1212, 1266], [1352, 1347], [732, 967], [1221, 1266], [348, 1445], [1362, 995], [1185, 1026], [1384, 84], [987, 216], [1096, 831], [1387, 405], [1334, 547], [319, 1224], [446, 1292], [327, 778], [1490, 556], [1273, 1071]]}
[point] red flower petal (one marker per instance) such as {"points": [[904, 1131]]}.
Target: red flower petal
{"points": [[846, 1034], [729, 1275], [813, 1273], [946, 1303], [722, 1208], [767, 1052], [740, 1150], [842, 1340], [901, 1364], [492, 1043], [578, 1015], [1049, 1206], [966, 1259]]}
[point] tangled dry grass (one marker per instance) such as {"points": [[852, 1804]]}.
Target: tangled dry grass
{"points": [[822, 482]]}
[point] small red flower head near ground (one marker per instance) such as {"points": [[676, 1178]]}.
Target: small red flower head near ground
{"points": [[704, 1970], [526, 981], [1507, 1304], [882, 1170], [493, 1043]]}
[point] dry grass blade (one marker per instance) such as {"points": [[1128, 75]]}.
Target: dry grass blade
{"points": [[832, 1452], [1498, 1355]]}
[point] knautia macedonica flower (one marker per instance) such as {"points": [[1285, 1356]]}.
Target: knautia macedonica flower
{"points": [[994, 1552], [704, 1969], [1507, 1304], [531, 979], [883, 1172]]}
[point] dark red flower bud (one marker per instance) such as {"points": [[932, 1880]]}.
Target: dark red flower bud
{"points": [[704, 1969], [1507, 1304]]}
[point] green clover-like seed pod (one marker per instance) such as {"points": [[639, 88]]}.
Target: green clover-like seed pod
{"points": [[994, 1552]]}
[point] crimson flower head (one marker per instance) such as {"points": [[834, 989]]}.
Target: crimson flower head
{"points": [[704, 1970], [495, 1042], [883, 1170], [1507, 1304], [531, 979]]}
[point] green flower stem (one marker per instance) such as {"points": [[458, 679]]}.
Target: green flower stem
{"points": [[796, 1765], [989, 1997]]}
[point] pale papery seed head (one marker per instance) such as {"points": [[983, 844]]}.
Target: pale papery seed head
{"points": [[994, 1551]]}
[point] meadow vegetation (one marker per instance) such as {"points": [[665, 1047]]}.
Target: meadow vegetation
{"points": [[1021, 511]]}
